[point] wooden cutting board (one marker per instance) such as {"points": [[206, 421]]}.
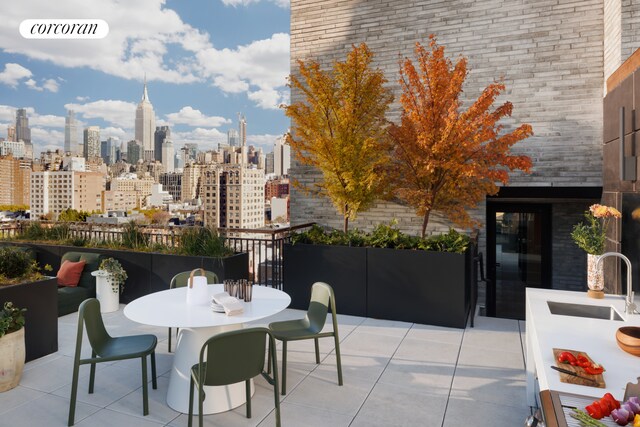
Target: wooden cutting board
{"points": [[566, 378]]}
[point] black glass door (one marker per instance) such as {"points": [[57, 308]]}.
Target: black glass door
{"points": [[518, 255]]}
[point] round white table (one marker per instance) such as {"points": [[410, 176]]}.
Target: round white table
{"points": [[198, 323]]}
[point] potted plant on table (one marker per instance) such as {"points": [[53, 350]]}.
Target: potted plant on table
{"points": [[590, 236], [110, 278], [12, 346]]}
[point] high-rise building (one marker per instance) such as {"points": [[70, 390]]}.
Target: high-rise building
{"points": [[16, 148], [268, 163], [179, 160], [161, 133], [53, 192], [233, 140], [233, 196], [172, 182], [242, 130], [23, 132], [11, 133], [145, 124], [70, 133], [108, 150], [142, 186], [167, 155], [134, 151], [15, 176], [191, 181], [190, 152], [91, 142], [281, 157]]}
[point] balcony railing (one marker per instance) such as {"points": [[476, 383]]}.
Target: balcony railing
{"points": [[264, 246]]}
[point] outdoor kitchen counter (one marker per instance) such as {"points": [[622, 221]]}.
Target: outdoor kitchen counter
{"points": [[597, 337]]}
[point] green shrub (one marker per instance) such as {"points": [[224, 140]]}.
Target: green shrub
{"points": [[11, 319], [384, 236], [34, 231], [132, 237], [202, 241], [15, 263]]}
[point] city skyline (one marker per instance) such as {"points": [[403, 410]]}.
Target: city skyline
{"points": [[205, 62]]}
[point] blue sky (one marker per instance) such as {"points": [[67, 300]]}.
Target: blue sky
{"points": [[205, 61]]}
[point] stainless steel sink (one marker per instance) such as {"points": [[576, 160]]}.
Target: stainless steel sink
{"points": [[582, 310]]}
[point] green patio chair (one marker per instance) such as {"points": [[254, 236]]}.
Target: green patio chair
{"points": [[180, 280], [310, 327], [105, 348], [232, 357]]}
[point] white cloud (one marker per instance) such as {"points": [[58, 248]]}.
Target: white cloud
{"points": [[13, 73], [235, 3], [50, 84], [207, 139], [113, 132], [189, 116], [8, 114], [46, 120], [119, 113], [82, 98], [261, 68]]}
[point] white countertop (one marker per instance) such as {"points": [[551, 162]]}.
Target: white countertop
{"points": [[596, 337]]}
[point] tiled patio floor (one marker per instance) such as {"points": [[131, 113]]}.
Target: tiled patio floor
{"points": [[395, 374]]}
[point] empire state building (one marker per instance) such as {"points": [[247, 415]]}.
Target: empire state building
{"points": [[145, 124]]}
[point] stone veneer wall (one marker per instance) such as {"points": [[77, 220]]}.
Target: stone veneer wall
{"points": [[550, 53], [612, 36], [630, 27]]}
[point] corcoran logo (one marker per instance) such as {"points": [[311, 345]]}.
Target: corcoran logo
{"points": [[64, 29]]}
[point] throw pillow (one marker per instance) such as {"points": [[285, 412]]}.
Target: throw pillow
{"points": [[70, 272]]}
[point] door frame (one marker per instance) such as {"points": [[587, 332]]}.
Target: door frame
{"points": [[494, 206]]}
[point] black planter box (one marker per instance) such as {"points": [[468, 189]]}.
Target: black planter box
{"points": [[418, 286], [41, 318], [396, 284], [344, 268], [148, 272]]}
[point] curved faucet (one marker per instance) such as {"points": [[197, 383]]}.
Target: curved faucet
{"points": [[629, 306]]}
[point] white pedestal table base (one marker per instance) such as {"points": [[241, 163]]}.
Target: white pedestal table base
{"points": [[217, 399]]}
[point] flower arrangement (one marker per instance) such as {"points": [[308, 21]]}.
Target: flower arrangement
{"points": [[590, 235], [11, 319], [117, 275]]}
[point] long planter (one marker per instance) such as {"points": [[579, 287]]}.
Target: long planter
{"points": [[344, 268], [41, 318], [148, 271], [413, 286]]}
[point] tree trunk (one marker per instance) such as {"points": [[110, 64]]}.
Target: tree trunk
{"points": [[425, 222], [345, 227]]}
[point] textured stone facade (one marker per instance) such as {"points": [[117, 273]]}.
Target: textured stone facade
{"points": [[550, 53]]}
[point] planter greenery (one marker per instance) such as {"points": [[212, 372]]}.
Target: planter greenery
{"points": [[18, 266], [117, 275], [12, 346]]}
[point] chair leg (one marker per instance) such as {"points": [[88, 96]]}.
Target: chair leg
{"points": [[191, 385], [284, 368], [247, 386], [269, 362], [92, 374], [338, 360], [74, 393], [169, 342], [276, 394], [145, 393], [200, 405], [154, 380], [317, 351]]}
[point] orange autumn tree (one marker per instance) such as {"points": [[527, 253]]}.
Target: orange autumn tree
{"points": [[446, 158], [339, 127]]}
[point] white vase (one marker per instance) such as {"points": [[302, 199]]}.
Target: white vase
{"points": [[109, 300], [12, 355], [595, 276]]}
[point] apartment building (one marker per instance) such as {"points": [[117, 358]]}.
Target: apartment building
{"points": [[233, 196], [172, 182], [15, 175], [54, 191], [133, 183], [121, 200]]}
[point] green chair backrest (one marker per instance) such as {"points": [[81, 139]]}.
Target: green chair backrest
{"points": [[321, 296], [234, 356], [180, 280], [89, 314], [92, 261]]}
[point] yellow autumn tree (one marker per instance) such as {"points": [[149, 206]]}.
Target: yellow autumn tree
{"points": [[338, 126], [446, 158]]}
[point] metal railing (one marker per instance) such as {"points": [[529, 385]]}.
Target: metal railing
{"points": [[264, 246]]}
